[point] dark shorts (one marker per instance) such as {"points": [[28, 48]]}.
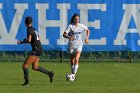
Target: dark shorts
{"points": [[36, 53]]}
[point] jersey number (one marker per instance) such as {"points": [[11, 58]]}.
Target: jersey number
{"points": [[37, 35]]}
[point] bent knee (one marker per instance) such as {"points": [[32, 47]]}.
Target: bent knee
{"points": [[35, 68], [24, 66]]}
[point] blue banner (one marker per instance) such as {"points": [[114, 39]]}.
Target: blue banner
{"points": [[114, 24]]}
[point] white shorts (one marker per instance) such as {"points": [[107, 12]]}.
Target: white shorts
{"points": [[73, 48]]}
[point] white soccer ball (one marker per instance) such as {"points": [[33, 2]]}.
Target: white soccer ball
{"points": [[70, 77]]}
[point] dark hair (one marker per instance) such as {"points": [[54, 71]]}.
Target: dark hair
{"points": [[28, 20], [73, 17]]}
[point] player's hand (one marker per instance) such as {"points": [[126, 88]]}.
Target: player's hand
{"points": [[18, 41], [71, 38], [86, 41]]}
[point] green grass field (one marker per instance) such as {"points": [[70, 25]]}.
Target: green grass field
{"points": [[91, 78]]}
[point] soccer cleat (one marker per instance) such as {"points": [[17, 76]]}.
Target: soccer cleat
{"points": [[51, 76], [25, 84]]}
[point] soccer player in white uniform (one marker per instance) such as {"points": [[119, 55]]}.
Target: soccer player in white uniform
{"points": [[75, 44]]}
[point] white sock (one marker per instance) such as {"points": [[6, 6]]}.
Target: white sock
{"points": [[75, 68], [72, 68]]}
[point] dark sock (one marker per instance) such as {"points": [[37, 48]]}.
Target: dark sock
{"points": [[25, 70], [44, 70]]}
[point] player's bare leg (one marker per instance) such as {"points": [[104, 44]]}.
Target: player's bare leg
{"points": [[77, 56], [42, 70], [30, 59], [72, 62]]}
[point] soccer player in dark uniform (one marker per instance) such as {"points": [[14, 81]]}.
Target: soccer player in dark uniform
{"points": [[33, 58]]}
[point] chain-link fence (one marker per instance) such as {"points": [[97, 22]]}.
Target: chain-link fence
{"points": [[59, 56]]}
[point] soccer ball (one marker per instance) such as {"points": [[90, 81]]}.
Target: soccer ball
{"points": [[70, 77]]}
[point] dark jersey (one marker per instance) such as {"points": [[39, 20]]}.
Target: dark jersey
{"points": [[35, 41]]}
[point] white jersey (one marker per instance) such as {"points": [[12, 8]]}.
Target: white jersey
{"points": [[76, 32]]}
